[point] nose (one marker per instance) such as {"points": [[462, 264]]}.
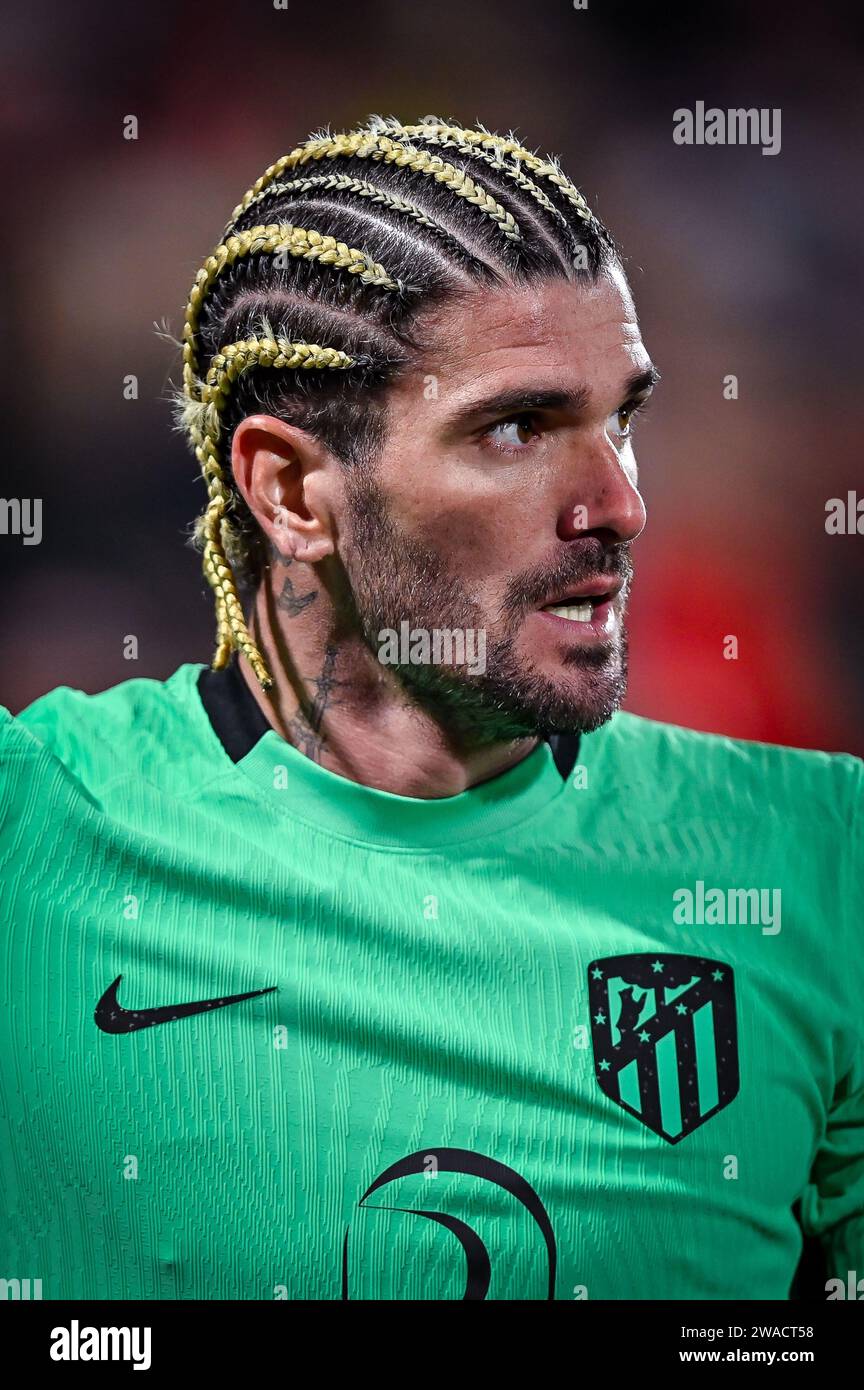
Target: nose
{"points": [[604, 499]]}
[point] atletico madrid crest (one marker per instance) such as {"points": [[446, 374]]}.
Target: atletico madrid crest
{"points": [[665, 1038]]}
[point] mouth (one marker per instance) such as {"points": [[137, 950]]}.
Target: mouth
{"points": [[587, 611]]}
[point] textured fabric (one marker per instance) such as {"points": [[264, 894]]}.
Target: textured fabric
{"points": [[499, 1010]]}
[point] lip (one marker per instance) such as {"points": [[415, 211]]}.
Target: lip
{"points": [[599, 630], [602, 587]]}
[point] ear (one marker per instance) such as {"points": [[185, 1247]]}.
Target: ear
{"points": [[281, 472]]}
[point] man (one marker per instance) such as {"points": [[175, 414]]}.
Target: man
{"points": [[391, 914]]}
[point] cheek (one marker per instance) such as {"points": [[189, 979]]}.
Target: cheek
{"points": [[485, 525], [481, 539]]}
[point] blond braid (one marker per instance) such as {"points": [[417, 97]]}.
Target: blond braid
{"points": [[364, 145], [452, 138], [230, 361], [204, 421], [300, 242], [544, 168], [363, 189]]}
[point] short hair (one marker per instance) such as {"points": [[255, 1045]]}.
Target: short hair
{"points": [[310, 307]]}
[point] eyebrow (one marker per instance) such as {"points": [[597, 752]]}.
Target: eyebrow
{"points": [[524, 399]]}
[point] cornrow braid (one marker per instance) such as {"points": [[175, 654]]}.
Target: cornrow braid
{"points": [[364, 145], [361, 188], [228, 365], [297, 241], [544, 168], [451, 138], [319, 335]]}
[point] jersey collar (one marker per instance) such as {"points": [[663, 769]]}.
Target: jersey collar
{"points": [[239, 722]]}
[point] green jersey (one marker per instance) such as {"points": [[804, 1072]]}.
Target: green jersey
{"points": [[266, 1032]]}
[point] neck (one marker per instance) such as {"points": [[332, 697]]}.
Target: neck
{"points": [[336, 703]]}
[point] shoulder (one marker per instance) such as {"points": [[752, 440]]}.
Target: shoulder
{"points": [[733, 775], [95, 737]]}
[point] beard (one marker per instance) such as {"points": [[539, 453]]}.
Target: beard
{"points": [[393, 577]]}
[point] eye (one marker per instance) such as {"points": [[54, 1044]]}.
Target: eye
{"points": [[514, 433], [620, 421]]}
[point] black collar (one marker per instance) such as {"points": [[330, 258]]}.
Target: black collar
{"points": [[239, 722], [235, 714]]}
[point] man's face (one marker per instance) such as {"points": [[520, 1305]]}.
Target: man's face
{"points": [[507, 491]]}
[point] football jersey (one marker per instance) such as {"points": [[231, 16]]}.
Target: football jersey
{"points": [[266, 1032]]}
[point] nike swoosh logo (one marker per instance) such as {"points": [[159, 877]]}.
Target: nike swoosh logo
{"points": [[111, 1017]]}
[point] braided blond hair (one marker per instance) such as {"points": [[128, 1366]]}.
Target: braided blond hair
{"points": [[205, 427], [364, 144], [361, 188], [544, 168], [453, 138], [296, 241]]}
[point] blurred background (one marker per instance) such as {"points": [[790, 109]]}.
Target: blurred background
{"points": [[742, 264]]}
